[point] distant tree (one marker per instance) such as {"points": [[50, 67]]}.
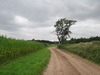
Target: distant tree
{"points": [[33, 39], [62, 29]]}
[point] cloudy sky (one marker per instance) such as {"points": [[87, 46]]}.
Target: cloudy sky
{"points": [[28, 19]]}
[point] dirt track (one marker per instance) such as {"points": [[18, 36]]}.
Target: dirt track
{"points": [[65, 63]]}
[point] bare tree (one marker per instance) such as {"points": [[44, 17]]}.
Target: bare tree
{"points": [[62, 29]]}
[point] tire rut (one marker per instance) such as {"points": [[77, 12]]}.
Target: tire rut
{"points": [[68, 67], [65, 63]]}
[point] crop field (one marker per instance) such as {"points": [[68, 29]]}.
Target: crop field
{"points": [[31, 64], [90, 50], [11, 48]]}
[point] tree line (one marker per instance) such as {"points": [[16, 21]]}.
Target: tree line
{"points": [[74, 40], [46, 41]]}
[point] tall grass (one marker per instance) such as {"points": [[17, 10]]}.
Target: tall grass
{"points": [[31, 64], [90, 51], [12, 48]]}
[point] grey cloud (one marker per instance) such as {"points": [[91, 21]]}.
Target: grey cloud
{"points": [[44, 13], [35, 10], [5, 21], [84, 10], [5, 17]]}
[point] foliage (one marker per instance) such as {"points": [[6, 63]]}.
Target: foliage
{"points": [[90, 50], [12, 48], [62, 29], [74, 40], [32, 64]]}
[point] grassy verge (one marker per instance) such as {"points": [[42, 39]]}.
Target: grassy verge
{"points": [[90, 51], [11, 48], [32, 64], [53, 45]]}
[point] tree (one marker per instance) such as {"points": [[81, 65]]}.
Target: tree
{"points": [[62, 29]]}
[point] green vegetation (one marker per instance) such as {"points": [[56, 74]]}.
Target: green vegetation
{"points": [[79, 40], [62, 31], [89, 50], [52, 45], [32, 64], [12, 48]]}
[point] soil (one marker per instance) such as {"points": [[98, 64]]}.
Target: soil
{"points": [[65, 63]]}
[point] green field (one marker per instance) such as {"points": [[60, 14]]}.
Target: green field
{"points": [[32, 64], [90, 50], [11, 49]]}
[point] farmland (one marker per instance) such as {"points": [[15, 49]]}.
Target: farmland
{"points": [[20, 57], [11, 48]]}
